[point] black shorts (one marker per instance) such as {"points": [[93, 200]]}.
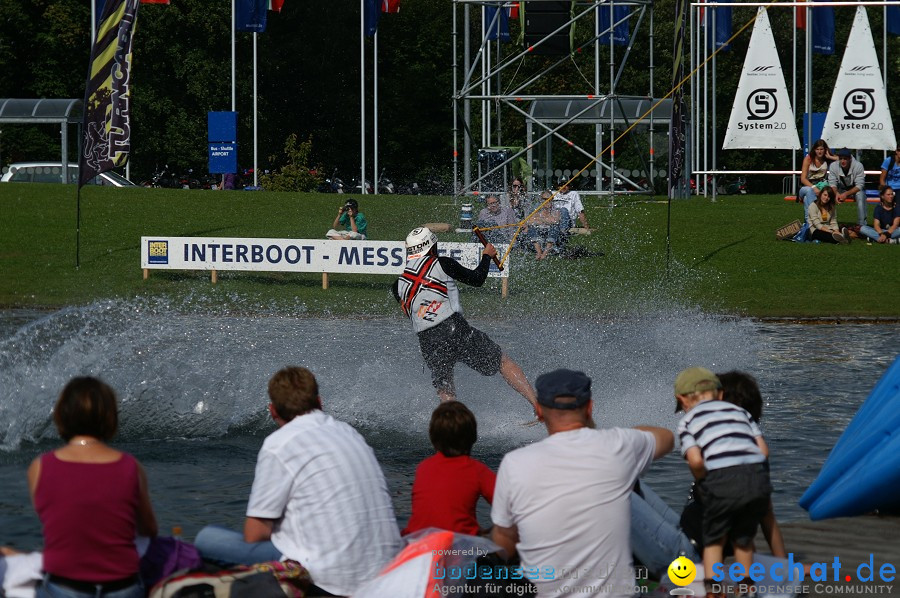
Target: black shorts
{"points": [[735, 499], [455, 340]]}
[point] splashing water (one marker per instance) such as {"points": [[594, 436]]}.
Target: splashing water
{"points": [[192, 384], [183, 374]]}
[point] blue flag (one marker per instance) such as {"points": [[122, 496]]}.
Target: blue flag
{"points": [[250, 15], [373, 11], [823, 30], [722, 16], [622, 32], [498, 28], [893, 20]]}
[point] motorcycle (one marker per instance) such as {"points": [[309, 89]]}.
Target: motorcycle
{"points": [[357, 188], [188, 180], [208, 181], [162, 177], [736, 186], [409, 189], [332, 184], [385, 185]]}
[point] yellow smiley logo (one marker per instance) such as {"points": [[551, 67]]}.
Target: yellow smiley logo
{"points": [[682, 571]]}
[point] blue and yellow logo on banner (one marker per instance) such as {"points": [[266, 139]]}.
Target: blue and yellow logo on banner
{"points": [[158, 252]]}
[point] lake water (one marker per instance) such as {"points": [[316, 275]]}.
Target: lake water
{"points": [[193, 391]]}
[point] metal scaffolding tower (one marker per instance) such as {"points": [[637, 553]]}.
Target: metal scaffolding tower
{"points": [[487, 78]]}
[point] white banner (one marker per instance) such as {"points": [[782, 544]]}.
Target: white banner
{"points": [[858, 116], [295, 255], [761, 117]]}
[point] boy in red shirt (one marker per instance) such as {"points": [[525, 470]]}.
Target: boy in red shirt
{"points": [[448, 485]]}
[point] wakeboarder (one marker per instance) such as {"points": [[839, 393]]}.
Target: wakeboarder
{"points": [[429, 297]]}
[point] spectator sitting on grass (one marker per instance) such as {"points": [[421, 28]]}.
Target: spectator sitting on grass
{"points": [[814, 174], [353, 221], [848, 179], [890, 170], [886, 221], [822, 218], [570, 201], [543, 228], [496, 215], [518, 198]]}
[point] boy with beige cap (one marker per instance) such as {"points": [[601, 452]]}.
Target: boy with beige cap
{"points": [[727, 454]]}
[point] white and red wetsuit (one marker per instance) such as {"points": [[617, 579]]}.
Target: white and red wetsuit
{"points": [[429, 297]]}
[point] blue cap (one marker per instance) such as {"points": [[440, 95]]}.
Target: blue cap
{"points": [[563, 383], [844, 153]]}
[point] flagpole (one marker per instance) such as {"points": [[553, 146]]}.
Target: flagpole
{"points": [[794, 100], [699, 31], [362, 96], [598, 127], [715, 142], [467, 103], [884, 66], [375, 111], [456, 188], [808, 90], [78, 226], [255, 114], [706, 100], [233, 28]]}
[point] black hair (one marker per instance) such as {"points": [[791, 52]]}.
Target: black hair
{"points": [[742, 390], [453, 429], [86, 407]]}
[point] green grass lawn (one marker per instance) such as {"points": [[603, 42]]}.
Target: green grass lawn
{"points": [[723, 256]]}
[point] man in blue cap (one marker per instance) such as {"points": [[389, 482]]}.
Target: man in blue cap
{"points": [[848, 179], [564, 503]]}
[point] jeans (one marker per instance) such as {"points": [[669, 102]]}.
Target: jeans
{"points": [[656, 539], [48, 589], [228, 547], [861, 206], [870, 232], [808, 195]]}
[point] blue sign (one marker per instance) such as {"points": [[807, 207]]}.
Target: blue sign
{"points": [[222, 158], [818, 123], [221, 126]]}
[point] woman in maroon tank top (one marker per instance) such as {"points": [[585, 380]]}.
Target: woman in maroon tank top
{"points": [[92, 500]]}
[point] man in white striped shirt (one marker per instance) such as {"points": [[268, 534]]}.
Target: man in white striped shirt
{"points": [[319, 496], [727, 454]]}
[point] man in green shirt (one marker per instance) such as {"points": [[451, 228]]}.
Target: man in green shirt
{"points": [[352, 220]]}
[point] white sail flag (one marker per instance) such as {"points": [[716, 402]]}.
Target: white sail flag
{"points": [[858, 116], [761, 117]]}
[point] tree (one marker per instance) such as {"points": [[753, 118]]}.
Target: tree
{"points": [[295, 174]]}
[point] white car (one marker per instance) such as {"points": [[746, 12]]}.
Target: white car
{"points": [[51, 172]]}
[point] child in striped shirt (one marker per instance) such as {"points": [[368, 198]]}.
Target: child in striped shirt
{"points": [[726, 452]]}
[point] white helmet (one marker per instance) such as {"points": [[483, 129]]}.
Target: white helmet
{"points": [[419, 242]]}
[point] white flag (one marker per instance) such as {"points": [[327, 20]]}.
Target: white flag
{"points": [[761, 116], [858, 116]]}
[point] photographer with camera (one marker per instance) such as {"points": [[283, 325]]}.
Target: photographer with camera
{"points": [[353, 222]]}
